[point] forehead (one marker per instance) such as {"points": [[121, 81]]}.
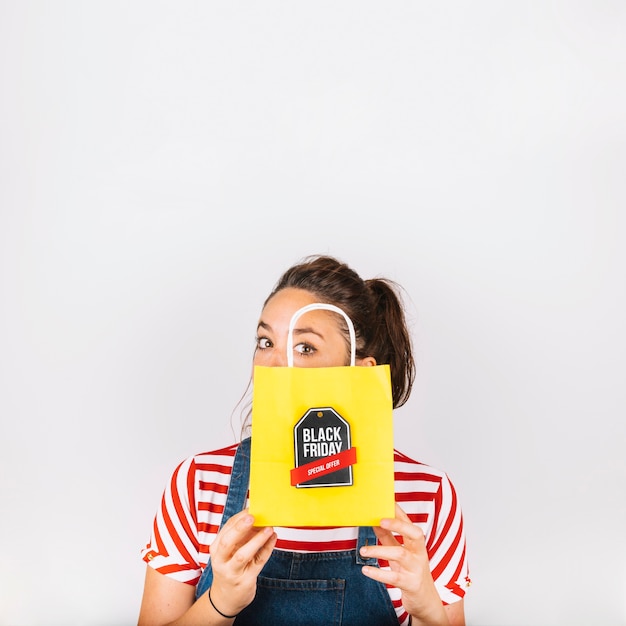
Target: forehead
{"points": [[282, 305], [287, 301]]}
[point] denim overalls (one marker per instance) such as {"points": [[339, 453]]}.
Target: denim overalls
{"points": [[311, 588]]}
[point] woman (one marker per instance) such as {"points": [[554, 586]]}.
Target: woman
{"points": [[416, 572]]}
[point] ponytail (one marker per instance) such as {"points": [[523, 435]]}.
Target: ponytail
{"points": [[390, 341]]}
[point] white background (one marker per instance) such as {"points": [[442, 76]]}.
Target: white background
{"points": [[162, 163]]}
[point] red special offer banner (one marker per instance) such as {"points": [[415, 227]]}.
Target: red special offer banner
{"points": [[323, 466]]}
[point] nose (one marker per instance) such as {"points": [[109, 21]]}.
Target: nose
{"points": [[272, 357], [277, 358]]}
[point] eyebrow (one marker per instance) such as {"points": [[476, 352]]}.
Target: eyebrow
{"points": [[296, 331]]}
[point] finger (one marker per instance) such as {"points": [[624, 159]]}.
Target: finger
{"points": [[237, 517], [263, 555], [385, 537], [403, 526], [392, 554], [400, 531], [387, 577], [401, 520], [257, 550], [235, 533], [239, 523]]}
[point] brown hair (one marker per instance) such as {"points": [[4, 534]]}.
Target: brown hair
{"points": [[373, 305]]}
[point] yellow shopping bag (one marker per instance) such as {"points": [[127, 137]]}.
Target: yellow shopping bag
{"points": [[322, 442]]}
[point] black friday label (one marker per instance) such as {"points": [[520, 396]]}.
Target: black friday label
{"points": [[323, 452]]}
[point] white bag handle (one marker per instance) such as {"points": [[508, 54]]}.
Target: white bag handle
{"points": [[313, 307]]}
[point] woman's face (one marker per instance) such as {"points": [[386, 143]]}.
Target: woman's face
{"points": [[317, 337]]}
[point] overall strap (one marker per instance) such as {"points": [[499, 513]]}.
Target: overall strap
{"points": [[366, 538], [239, 482], [235, 502]]}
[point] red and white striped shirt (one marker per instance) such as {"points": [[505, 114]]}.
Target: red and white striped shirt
{"points": [[193, 502]]}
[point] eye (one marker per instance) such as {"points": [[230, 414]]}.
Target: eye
{"points": [[305, 349], [263, 343]]}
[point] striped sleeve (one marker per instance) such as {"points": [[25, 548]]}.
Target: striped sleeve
{"points": [[428, 497], [189, 515], [446, 545]]}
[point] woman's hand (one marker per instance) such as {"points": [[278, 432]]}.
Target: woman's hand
{"points": [[410, 570], [238, 554]]}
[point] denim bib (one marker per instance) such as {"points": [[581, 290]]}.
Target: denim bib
{"points": [[310, 588]]}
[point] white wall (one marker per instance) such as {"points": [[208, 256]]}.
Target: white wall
{"points": [[162, 163]]}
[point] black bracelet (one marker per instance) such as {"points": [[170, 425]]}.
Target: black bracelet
{"points": [[222, 614]]}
